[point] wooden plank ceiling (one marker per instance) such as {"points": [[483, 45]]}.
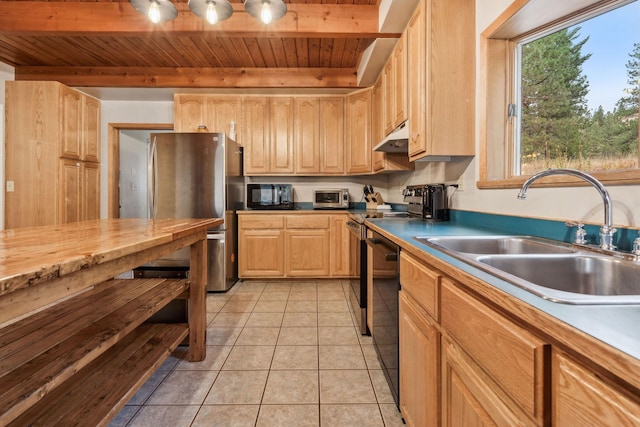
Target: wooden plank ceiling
{"points": [[103, 43]]}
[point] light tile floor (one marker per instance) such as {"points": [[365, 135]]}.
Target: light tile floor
{"points": [[278, 354]]}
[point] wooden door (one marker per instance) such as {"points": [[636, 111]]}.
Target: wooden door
{"points": [[90, 190], [359, 132], [332, 135], [91, 129], [281, 117], [416, 86], [307, 253], [467, 399], [399, 81], [71, 123], [221, 111], [419, 366], [256, 135], [189, 112], [377, 122], [307, 135], [340, 254], [260, 253], [70, 193], [582, 398], [388, 87]]}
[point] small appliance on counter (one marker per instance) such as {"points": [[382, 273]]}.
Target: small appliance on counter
{"points": [[336, 198], [270, 196], [427, 201]]}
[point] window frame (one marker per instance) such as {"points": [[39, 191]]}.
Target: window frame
{"points": [[521, 20]]}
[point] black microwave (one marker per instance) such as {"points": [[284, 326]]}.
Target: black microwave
{"points": [[269, 196]]}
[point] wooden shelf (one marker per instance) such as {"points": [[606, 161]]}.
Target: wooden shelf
{"points": [[42, 354], [96, 393]]}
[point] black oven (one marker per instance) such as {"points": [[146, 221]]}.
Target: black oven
{"points": [[384, 268], [358, 283]]}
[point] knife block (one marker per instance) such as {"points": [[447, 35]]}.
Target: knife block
{"points": [[373, 200]]}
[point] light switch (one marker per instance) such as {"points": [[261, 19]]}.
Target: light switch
{"points": [[10, 186]]}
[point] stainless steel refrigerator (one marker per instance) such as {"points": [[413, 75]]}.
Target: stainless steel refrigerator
{"points": [[197, 175]]}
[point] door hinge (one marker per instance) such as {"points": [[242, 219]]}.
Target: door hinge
{"points": [[511, 110]]}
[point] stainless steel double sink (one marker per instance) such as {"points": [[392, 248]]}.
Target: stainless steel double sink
{"points": [[551, 270]]}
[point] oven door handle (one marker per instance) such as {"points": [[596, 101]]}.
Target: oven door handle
{"points": [[389, 255]]}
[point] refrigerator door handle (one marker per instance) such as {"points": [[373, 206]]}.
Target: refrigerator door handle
{"points": [[153, 179]]}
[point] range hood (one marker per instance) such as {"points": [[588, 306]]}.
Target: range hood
{"points": [[397, 141]]}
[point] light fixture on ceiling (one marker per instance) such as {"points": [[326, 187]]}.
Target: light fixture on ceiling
{"points": [[266, 10], [156, 10], [211, 11]]}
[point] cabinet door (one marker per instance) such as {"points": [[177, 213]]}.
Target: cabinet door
{"points": [[189, 112], [468, 399], [90, 190], [416, 97], [582, 398], [377, 122], [340, 255], [359, 132], [70, 184], [281, 117], [260, 253], [419, 366], [307, 253], [388, 88], [255, 132], [332, 135], [399, 81], [91, 130], [307, 135], [71, 125], [221, 111]]}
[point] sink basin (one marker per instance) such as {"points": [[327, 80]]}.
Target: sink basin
{"points": [[579, 278], [496, 245]]}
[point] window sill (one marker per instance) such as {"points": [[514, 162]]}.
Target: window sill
{"points": [[628, 177]]}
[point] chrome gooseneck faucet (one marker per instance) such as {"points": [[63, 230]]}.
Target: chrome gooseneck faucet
{"points": [[607, 231]]}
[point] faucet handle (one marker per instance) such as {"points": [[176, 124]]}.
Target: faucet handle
{"points": [[636, 245], [580, 237]]}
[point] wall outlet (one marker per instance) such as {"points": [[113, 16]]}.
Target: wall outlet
{"points": [[460, 183], [10, 187]]}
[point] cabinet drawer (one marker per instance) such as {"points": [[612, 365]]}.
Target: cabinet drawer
{"points": [[261, 221], [516, 360], [421, 283], [307, 221]]}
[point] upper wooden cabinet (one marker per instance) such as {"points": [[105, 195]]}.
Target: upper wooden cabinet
{"points": [[358, 134], [215, 112], [384, 162], [267, 128], [319, 135], [52, 152], [441, 90], [394, 86]]}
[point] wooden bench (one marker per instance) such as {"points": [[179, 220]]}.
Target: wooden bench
{"points": [[77, 360]]}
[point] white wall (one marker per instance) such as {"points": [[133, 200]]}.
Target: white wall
{"points": [[6, 73], [570, 203]]}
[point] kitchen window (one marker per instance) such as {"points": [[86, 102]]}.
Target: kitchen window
{"points": [[553, 96]]}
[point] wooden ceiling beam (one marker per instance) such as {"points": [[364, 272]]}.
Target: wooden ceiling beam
{"points": [[181, 77], [120, 19]]}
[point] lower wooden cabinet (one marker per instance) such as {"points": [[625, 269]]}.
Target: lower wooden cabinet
{"points": [[79, 191], [420, 366], [294, 245], [261, 246], [582, 398]]}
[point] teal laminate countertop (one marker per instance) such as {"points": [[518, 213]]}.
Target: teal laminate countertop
{"points": [[617, 326]]}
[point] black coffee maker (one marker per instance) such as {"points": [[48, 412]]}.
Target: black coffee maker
{"points": [[428, 201]]}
